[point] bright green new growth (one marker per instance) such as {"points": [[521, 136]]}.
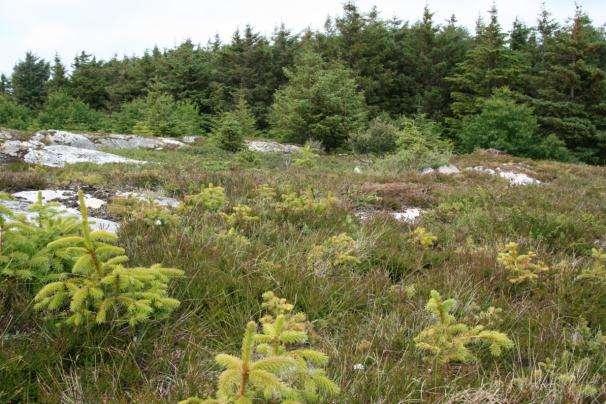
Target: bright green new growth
{"points": [[282, 331], [425, 238], [244, 378], [305, 157], [282, 373], [597, 272], [522, 267], [265, 193], [241, 215], [449, 341], [99, 288], [233, 241], [337, 252], [23, 243], [211, 198], [305, 203]]}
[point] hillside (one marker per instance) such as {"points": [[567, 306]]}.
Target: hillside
{"points": [[345, 241]]}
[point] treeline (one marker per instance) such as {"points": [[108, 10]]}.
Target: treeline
{"points": [[538, 91]]}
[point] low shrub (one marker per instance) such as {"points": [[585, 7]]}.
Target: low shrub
{"points": [[63, 111], [419, 145], [13, 115], [379, 138]]}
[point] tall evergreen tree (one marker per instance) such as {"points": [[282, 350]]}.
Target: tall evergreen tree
{"points": [[320, 102], [435, 52], [29, 81], [490, 64], [5, 84], [89, 82], [570, 94], [58, 79]]}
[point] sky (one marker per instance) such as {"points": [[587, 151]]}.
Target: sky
{"points": [[128, 27]]}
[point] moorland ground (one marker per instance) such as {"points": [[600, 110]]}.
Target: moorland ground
{"points": [[365, 315]]}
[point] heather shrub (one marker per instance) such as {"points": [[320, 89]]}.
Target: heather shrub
{"points": [[379, 138]]}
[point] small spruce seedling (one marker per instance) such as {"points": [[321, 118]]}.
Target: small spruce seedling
{"points": [[337, 252], [23, 243], [274, 365], [449, 341], [211, 198], [285, 333], [99, 288], [522, 267], [597, 271], [423, 237]]}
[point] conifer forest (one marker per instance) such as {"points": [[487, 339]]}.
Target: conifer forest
{"points": [[378, 211]]}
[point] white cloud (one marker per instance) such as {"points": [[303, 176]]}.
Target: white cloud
{"points": [[127, 27]]}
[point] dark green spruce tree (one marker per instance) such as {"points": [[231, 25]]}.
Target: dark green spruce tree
{"points": [[29, 81], [570, 94]]}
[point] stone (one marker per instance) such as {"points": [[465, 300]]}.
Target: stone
{"points": [[65, 138], [408, 215], [48, 195], [448, 169], [269, 146], [60, 155], [511, 176], [116, 141], [151, 197], [190, 139], [21, 207]]}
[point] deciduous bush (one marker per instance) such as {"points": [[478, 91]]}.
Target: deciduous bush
{"points": [[63, 111], [419, 145], [13, 115], [379, 138], [505, 125]]}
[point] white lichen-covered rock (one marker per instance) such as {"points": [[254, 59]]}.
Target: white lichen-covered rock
{"points": [[514, 178], [50, 195], [61, 137], [137, 142], [150, 196], [408, 215], [518, 178], [55, 148], [448, 169], [60, 155], [269, 146], [114, 141], [17, 148], [21, 207], [189, 139]]}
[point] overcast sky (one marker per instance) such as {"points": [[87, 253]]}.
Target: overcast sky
{"points": [[127, 27]]}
